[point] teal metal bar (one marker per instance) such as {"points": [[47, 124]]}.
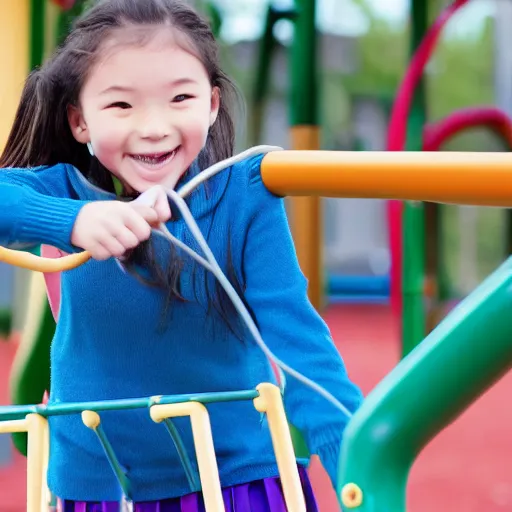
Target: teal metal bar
{"points": [[182, 452], [19, 412], [464, 356], [124, 482]]}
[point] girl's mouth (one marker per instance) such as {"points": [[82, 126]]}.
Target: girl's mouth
{"points": [[155, 161]]}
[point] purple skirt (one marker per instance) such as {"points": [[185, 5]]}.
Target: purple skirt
{"points": [[259, 496]]}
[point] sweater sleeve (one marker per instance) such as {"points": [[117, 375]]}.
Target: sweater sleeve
{"points": [[37, 206], [276, 291]]}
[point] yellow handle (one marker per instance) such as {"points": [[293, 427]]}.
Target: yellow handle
{"points": [[38, 264]]}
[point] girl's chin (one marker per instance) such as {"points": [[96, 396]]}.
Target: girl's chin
{"points": [[138, 186]]}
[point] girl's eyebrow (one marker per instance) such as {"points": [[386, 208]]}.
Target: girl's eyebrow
{"points": [[122, 88]]}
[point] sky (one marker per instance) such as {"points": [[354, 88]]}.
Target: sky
{"points": [[244, 18]]}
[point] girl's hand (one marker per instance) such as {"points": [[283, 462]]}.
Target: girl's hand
{"points": [[110, 228], [156, 198]]}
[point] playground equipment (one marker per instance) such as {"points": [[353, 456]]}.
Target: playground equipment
{"points": [[402, 407], [419, 398], [266, 398], [306, 214], [409, 407], [416, 269]]}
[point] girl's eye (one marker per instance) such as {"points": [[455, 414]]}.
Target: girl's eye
{"points": [[181, 97], [120, 104]]}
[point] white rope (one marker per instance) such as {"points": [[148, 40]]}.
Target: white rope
{"points": [[211, 264]]}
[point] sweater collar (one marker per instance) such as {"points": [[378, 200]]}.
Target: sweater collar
{"points": [[202, 200]]}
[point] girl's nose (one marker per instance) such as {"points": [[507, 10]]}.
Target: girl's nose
{"points": [[154, 127]]}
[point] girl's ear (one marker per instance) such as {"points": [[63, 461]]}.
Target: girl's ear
{"points": [[77, 124], [215, 105]]}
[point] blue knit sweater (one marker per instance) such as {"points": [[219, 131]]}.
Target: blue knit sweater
{"points": [[112, 340]]}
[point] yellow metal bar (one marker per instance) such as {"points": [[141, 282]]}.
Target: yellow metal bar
{"points": [[38, 264], [45, 492], [306, 221], [445, 177], [14, 55], [270, 402], [35, 461], [9, 427], [37, 457], [205, 451]]}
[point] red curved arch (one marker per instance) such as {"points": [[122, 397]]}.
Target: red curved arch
{"points": [[437, 134], [397, 132]]}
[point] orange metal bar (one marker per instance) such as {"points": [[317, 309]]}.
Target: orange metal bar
{"points": [[443, 177]]}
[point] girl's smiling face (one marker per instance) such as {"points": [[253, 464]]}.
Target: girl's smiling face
{"points": [[146, 109]]}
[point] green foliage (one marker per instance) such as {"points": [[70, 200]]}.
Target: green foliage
{"points": [[381, 56], [460, 73]]}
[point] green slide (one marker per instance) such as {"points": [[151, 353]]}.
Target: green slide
{"points": [[464, 356]]}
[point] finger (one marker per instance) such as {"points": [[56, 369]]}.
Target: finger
{"points": [[112, 245], [127, 238], [148, 213], [99, 252], [119, 227], [138, 221], [162, 207], [149, 197]]}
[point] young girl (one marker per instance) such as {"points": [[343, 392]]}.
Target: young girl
{"points": [[136, 98]]}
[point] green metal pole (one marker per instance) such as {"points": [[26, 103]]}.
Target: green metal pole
{"points": [[304, 69], [266, 52], [66, 19], [444, 284], [508, 232], [413, 320], [305, 218], [5, 322], [464, 356], [37, 32]]}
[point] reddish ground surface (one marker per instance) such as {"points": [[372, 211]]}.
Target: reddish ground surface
{"points": [[466, 468]]}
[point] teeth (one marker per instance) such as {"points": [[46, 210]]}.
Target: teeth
{"points": [[149, 159]]}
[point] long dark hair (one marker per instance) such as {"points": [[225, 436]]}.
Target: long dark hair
{"points": [[41, 134]]}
